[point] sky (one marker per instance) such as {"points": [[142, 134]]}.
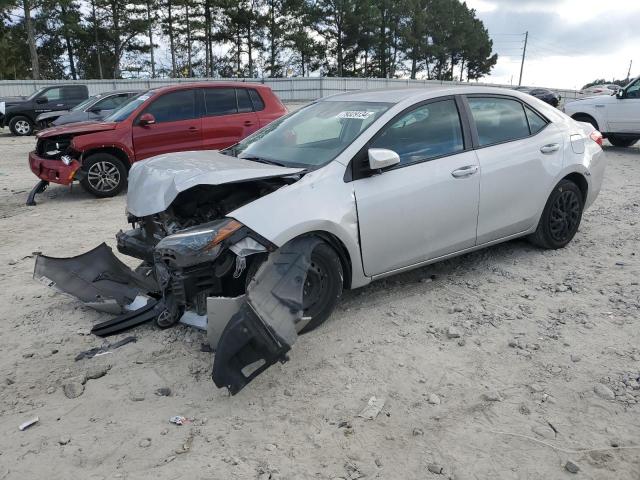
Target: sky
{"points": [[571, 42]]}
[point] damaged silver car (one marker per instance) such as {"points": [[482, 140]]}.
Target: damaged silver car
{"points": [[256, 243]]}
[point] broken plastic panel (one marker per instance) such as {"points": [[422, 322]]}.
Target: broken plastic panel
{"points": [[263, 329], [98, 279]]}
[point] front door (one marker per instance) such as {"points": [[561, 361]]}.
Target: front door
{"points": [[50, 100], [177, 127], [426, 206], [623, 115]]}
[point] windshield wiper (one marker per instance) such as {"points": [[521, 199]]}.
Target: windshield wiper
{"points": [[263, 160]]}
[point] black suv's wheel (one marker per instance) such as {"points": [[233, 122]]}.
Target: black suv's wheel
{"points": [[105, 175], [621, 142], [561, 216], [21, 126], [322, 287]]}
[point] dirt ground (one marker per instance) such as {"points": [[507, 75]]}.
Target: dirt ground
{"points": [[501, 364]]}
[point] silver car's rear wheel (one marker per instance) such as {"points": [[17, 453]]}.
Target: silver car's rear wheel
{"points": [[105, 175]]}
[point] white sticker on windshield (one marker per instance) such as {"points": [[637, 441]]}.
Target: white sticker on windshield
{"points": [[357, 114]]}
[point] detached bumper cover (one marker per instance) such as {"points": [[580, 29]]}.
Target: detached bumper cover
{"points": [[97, 278], [53, 170]]}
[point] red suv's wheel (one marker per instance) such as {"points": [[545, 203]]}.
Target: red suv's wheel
{"points": [[105, 175]]}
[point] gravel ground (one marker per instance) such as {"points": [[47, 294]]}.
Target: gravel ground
{"points": [[505, 363]]}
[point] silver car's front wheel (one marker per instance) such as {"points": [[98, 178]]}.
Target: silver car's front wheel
{"points": [[105, 175]]}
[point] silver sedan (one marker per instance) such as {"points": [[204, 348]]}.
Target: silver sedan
{"points": [[256, 243]]}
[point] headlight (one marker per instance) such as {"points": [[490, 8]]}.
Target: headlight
{"points": [[66, 159], [194, 244]]}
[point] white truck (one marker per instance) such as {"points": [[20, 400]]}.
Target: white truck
{"points": [[617, 116]]}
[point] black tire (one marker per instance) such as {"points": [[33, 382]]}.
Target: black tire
{"points": [[621, 142], [21, 126], [105, 175], [560, 218], [580, 117], [323, 285]]}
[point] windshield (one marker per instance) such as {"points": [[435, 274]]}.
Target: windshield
{"points": [[36, 93], [312, 136], [126, 109], [86, 103]]}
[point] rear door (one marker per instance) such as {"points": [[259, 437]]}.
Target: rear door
{"points": [[228, 117], [519, 153], [177, 128]]}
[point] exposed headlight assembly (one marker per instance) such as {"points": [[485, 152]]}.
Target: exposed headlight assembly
{"points": [[192, 245]]}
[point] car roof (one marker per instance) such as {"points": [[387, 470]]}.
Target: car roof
{"points": [[187, 85], [402, 94]]}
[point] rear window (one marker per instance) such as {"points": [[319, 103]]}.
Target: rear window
{"points": [[498, 119], [256, 99], [220, 101]]}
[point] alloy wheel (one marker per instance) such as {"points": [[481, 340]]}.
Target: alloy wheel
{"points": [[103, 176], [22, 127], [564, 216]]}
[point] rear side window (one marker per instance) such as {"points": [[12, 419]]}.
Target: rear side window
{"points": [[74, 92], [536, 122], [498, 119], [429, 131], [174, 106], [220, 101], [244, 102], [258, 103]]}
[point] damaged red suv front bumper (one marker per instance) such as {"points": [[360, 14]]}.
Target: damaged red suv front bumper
{"points": [[53, 170]]}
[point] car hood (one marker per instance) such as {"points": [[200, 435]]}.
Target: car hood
{"points": [[72, 117], [77, 129], [156, 182], [54, 114], [6, 102]]}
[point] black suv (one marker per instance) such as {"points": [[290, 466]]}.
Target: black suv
{"points": [[19, 113]]}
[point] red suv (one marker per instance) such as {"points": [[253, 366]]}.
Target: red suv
{"points": [[190, 116]]}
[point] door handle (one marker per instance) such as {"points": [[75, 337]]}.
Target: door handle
{"points": [[465, 171], [550, 148], [248, 123], [193, 129]]}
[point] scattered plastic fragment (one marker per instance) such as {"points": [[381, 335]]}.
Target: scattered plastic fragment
{"points": [[180, 420], [372, 409], [97, 351], [28, 423]]}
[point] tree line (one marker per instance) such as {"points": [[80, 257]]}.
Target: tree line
{"points": [[88, 39]]}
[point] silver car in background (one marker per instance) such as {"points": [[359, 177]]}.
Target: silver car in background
{"points": [[256, 243]]}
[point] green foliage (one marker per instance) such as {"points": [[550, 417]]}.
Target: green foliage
{"points": [[436, 39]]}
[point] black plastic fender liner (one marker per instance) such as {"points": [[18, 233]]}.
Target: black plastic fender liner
{"points": [[40, 187], [129, 320], [96, 278], [264, 328]]}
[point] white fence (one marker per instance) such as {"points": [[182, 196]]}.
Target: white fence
{"points": [[288, 89]]}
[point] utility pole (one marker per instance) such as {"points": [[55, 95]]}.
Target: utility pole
{"points": [[524, 52], [629, 71]]}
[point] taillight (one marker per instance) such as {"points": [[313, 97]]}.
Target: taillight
{"points": [[596, 136]]}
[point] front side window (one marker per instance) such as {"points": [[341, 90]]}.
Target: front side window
{"points": [[498, 119], [429, 131], [220, 101], [311, 136], [633, 90], [174, 106], [112, 102], [53, 94]]}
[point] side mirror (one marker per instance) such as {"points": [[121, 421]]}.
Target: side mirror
{"points": [[146, 119], [620, 94], [94, 110], [42, 100], [381, 158]]}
